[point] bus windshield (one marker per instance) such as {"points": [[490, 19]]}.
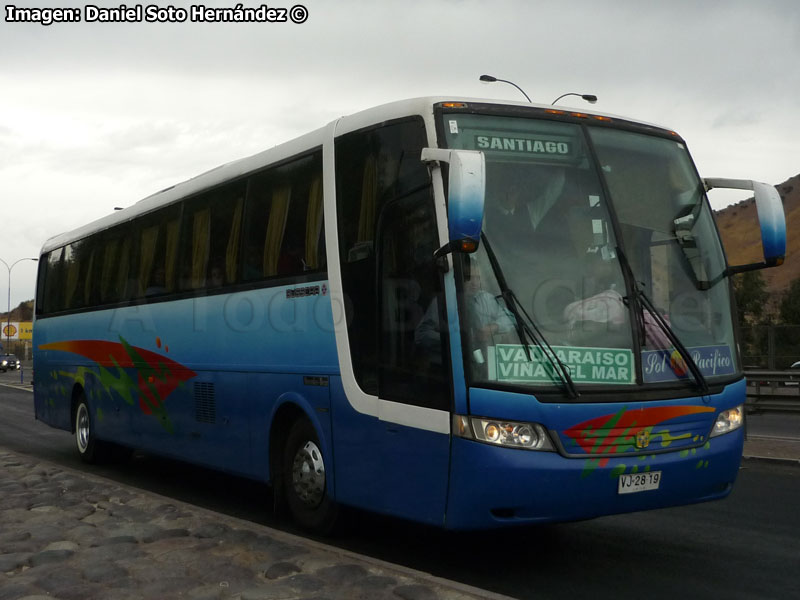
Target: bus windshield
{"points": [[563, 201]]}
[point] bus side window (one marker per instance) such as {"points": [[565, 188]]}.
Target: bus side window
{"points": [[227, 206], [113, 265], [210, 239], [75, 262], [54, 282], [283, 220], [155, 252]]}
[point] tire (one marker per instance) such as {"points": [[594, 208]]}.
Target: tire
{"points": [[89, 448], [305, 480]]}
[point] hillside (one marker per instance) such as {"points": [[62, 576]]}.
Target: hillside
{"points": [[738, 225], [23, 312]]}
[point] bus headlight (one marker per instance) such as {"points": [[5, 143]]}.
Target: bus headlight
{"points": [[728, 420], [511, 434]]}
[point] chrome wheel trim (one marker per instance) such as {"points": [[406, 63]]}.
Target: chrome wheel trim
{"points": [[308, 475], [82, 431]]}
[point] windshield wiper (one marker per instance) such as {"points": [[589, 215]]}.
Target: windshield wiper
{"points": [[527, 328], [643, 301]]}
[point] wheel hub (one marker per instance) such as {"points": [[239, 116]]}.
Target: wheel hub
{"points": [[82, 428], [308, 474]]}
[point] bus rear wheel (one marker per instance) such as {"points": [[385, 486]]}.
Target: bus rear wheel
{"points": [[84, 432], [305, 482], [90, 449]]}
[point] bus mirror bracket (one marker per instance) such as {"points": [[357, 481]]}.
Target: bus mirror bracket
{"points": [[771, 220], [466, 193]]}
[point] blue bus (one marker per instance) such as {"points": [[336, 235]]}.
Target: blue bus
{"points": [[462, 312]]}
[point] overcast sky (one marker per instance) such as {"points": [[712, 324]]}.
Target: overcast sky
{"points": [[98, 115]]}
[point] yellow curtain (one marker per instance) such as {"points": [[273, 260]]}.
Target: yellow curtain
{"points": [[314, 222], [147, 252], [200, 241], [109, 265], [73, 270], [275, 229], [369, 197], [124, 269], [171, 254], [232, 252]]}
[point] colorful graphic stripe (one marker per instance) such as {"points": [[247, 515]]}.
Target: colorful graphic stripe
{"points": [[617, 433], [157, 375]]}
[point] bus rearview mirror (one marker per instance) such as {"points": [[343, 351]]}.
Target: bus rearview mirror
{"points": [[771, 220], [466, 192]]}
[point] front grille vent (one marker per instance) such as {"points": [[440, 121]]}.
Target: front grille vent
{"points": [[205, 406]]}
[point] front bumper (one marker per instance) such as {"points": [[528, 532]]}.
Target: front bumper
{"points": [[492, 486]]}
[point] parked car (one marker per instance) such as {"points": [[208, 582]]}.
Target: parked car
{"points": [[9, 362], [795, 376]]}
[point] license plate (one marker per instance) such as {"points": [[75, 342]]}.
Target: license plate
{"points": [[639, 482]]}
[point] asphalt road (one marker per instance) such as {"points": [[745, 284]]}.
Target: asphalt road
{"points": [[747, 546]]}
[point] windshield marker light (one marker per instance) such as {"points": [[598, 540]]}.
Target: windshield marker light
{"points": [[579, 115], [728, 420], [498, 432], [467, 246]]}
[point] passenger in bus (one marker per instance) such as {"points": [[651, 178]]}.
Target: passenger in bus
{"points": [[485, 316], [158, 282], [527, 219], [507, 218], [216, 275], [291, 260], [253, 262], [549, 194]]}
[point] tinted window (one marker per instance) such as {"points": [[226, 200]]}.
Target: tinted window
{"points": [[78, 261], [53, 283], [155, 248], [115, 280], [283, 221], [210, 238], [267, 225]]}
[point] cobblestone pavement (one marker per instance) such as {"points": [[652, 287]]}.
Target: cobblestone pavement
{"points": [[66, 534]]}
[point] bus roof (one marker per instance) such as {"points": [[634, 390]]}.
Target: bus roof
{"points": [[415, 106]]}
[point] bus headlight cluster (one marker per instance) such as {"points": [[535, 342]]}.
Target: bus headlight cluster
{"points": [[511, 434], [728, 420]]}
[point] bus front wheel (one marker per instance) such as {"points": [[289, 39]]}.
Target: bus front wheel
{"points": [[304, 480]]}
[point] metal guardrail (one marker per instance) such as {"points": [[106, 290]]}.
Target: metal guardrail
{"points": [[773, 390]]}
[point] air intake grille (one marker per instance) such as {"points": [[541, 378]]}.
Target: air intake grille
{"points": [[205, 407]]}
